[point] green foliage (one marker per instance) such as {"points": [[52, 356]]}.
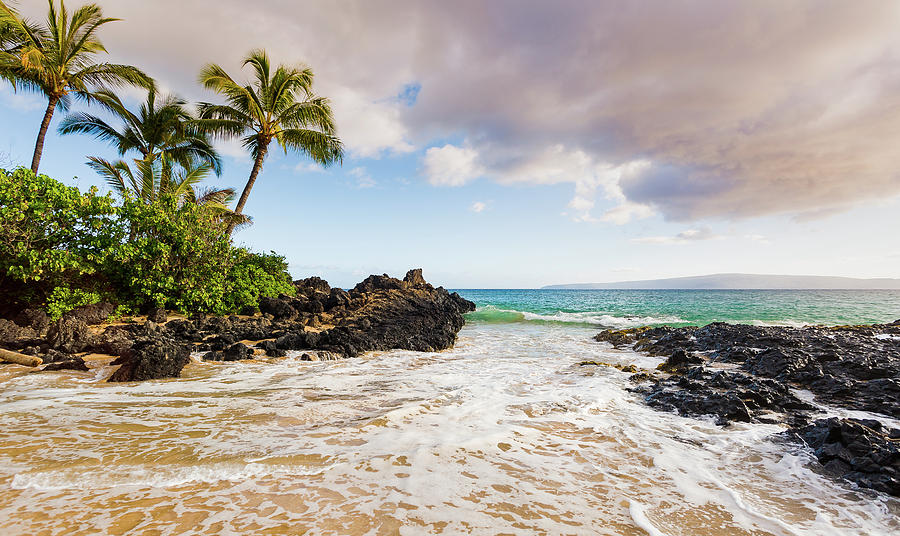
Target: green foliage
{"points": [[52, 235], [254, 275], [64, 299], [60, 247], [178, 257]]}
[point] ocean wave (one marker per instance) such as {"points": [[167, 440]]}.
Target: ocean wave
{"points": [[777, 323], [490, 314]]}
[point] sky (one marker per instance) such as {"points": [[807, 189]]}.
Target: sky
{"points": [[515, 144]]}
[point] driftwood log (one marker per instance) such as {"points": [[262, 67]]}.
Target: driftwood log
{"points": [[20, 359]]}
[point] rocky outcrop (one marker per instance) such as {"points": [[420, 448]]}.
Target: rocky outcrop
{"points": [[860, 450], [152, 359], [380, 313], [857, 367], [14, 337], [740, 373], [73, 363], [34, 319]]}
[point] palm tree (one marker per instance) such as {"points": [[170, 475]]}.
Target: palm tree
{"points": [[277, 106], [58, 59], [151, 179], [155, 178], [162, 127]]}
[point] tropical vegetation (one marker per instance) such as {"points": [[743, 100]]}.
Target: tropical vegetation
{"points": [[163, 240], [60, 247]]}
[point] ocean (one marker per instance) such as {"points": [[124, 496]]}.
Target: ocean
{"points": [[630, 308], [503, 434]]}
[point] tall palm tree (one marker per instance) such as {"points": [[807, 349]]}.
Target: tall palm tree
{"points": [[58, 59], [279, 106], [162, 127]]}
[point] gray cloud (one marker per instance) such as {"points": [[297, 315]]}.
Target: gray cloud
{"points": [[739, 109]]}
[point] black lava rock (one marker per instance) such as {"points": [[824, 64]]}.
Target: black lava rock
{"points": [[862, 451], [152, 359], [75, 363], [96, 313]]}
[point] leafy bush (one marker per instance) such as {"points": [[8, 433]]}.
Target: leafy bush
{"points": [[51, 235], [177, 257], [254, 275], [62, 247], [64, 299]]}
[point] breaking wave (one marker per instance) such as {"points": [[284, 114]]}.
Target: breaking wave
{"points": [[490, 314]]}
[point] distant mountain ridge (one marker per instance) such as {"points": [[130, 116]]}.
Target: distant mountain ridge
{"points": [[744, 281]]}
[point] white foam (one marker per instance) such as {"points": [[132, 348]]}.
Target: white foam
{"points": [[504, 433], [639, 516], [832, 411]]}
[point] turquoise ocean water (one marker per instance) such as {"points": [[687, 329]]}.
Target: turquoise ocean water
{"points": [[628, 308]]}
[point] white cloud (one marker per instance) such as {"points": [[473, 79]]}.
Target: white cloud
{"points": [[684, 237], [363, 179], [233, 148], [309, 167], [478, 206], [627, 211], [557, 164], [369, 128], [451, 165]]}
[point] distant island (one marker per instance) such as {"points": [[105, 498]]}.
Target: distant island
{"points": [[743, 281]]}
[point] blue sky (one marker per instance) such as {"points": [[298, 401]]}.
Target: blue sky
{"points": [[457, 166]]}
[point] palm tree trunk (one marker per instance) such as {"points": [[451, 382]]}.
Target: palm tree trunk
{"points": [[257, 166], [45, 124]]}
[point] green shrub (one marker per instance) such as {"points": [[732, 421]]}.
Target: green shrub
{"points": [[51, 235], [255, 275], [177, 257], [64, 299], [62, 247]]}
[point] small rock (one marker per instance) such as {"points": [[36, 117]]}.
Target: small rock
{"points": [[157, 315], [76, 363], [278, 308], [237, 352], [152, 359]]}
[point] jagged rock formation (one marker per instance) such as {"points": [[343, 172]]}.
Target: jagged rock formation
{"points": [[380, 313]]}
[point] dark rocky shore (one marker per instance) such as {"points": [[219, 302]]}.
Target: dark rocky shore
{"points": [[749, 374], [380, 313]]}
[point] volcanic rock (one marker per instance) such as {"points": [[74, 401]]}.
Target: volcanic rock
{"points": [[68, 334], [96, 313], [152, 359], [862, 451]]}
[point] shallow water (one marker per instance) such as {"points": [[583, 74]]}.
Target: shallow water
{"points": [[504, 434]]}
